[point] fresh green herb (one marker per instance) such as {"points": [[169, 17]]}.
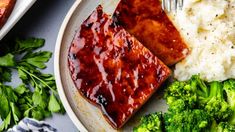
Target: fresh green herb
{"points": [[25, 45], [54, 105], [7, 60], [37, 59], [5, 74], [20, 102]]}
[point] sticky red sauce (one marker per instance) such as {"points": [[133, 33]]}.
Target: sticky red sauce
{"points": [[113, 70], [146, 20]]}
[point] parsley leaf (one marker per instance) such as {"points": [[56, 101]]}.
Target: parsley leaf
{"points": [[15, 111], [5, 74], [37, 59], [23, 45], [54, 105], [7, 60], [6, 122], [21, 89], [40, 99], [37, 96], [4, 106]]}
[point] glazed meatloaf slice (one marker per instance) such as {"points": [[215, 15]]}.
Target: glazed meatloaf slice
{"points": [[146, 20], [112, 69], [6, 7]]}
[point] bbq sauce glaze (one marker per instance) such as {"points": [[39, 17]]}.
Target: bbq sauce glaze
{"points": [[146, 20], [112, 70]]}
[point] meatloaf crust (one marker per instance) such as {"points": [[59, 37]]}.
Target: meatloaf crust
{"points": [[112, 69], [146, 20]]}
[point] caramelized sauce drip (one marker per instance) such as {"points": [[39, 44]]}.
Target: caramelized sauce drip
{"points": [[146, 20], [112, 70]]}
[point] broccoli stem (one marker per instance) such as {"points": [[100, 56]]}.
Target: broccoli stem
{"points": [[232, 119], [230, 91], [229, 87], [199, 84], [216, 90], [203, 86]]}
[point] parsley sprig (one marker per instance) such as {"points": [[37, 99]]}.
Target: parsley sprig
{"points": [[37, 96]]}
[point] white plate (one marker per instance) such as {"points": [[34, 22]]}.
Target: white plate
{"points": [[85, 116], [21, 7]]}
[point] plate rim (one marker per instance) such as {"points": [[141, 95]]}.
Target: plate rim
{"points": [[12, 20], [57, 73]]}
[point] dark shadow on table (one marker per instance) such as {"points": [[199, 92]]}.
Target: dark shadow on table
{"points": [[35, 15]]}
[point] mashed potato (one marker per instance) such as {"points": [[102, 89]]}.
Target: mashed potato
{"points": [[208, 26]]}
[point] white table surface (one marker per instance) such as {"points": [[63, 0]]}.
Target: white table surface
{"points": [[44, 20]]}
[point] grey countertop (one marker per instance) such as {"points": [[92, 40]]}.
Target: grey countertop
{"points": [[44, 20]]}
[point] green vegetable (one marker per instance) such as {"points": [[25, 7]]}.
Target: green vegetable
{"points": [[37, 59], [40, 99], [7, 60], [183, 91], [19, 102], [215, 103], [225, 127], [26, 45], [6, 122], [5, 74], [21, 89], [54, 105], [229, 87], [8, 110], [195, 120], [150, 123], [200, 86], [197, 106]]}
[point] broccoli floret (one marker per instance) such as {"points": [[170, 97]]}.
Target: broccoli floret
{"points": [[216, 103], [186, 121], [150, 123], [177, 106], [221, 127], [183, 91], [213, 101], [225, 127], [229, 87], [195, 106], [220, 111], [199, 86]]}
